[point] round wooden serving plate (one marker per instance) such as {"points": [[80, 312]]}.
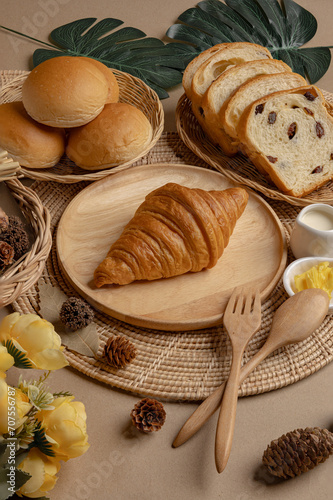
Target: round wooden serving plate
{"points": [[255, 255]]}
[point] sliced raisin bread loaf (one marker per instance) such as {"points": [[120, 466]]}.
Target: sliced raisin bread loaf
{"points": [[211, 68], [288, 136], [192, 67], [223, 87], [255, 88]]}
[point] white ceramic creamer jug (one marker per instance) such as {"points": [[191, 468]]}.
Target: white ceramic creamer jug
{"points": [[312, 234]]}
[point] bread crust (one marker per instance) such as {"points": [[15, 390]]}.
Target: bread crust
{"points": [[118, 134], [65, 92], [31, 144], [307, 179]]}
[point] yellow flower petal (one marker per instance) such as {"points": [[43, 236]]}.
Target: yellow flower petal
{"points": [[6, 360], [7, 324], [49, 359]]}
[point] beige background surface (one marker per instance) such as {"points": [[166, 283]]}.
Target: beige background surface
{"points": [[122, 463]]}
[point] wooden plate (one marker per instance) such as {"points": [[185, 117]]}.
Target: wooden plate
{"points": [[94, 219]]}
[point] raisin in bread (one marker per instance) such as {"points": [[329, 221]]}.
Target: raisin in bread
{"points": [[288, 136], [192, 67], [222, 88], [255, 88], [230, 55]]}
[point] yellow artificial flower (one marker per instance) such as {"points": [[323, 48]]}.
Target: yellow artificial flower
{"points": [[14, 406], [36, 338], [65, 427], [43, 474], [6, 360]]}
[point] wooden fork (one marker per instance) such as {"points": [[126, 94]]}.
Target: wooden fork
{"points": [[242, 319]]}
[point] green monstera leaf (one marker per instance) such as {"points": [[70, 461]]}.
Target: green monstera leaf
{"points": [[282, 28], [127, 49]]}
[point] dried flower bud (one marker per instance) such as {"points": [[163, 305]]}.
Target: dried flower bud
{"points": [[75, 313]]}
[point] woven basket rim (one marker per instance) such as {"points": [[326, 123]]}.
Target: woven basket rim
{"points": [[25, 272], [196, 140], [156, 118]]}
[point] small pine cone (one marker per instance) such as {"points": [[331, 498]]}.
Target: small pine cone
{"points": [[16, 236], [6, 255], [148, 415], [298, 451], [75, 313], [119, 352]]}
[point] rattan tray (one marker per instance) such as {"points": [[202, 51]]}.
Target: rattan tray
{"points": [[187, 365], [132, 90], [239, 169]]}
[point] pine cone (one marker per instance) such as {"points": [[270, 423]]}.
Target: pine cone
{"points": [[148, 415], [119, 352], [16, 236], [298, 451], [6, 255]]}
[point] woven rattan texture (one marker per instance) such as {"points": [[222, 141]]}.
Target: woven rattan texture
{"points": [[239, 169], [132, 91], [188, 365], [20, 276]]}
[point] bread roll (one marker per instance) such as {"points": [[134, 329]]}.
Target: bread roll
{"points": [[113, 94], [65, 92], [118, 134], [31, 144]]}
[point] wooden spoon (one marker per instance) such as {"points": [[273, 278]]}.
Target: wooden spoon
{"points": [[297, 318]]}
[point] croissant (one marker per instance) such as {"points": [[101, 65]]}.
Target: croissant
{"points": [[175, 230]]}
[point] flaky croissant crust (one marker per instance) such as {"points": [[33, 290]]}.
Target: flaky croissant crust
{"points": [[175, 230]]}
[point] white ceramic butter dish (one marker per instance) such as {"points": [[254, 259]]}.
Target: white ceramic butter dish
{"points": [[299, 266]]}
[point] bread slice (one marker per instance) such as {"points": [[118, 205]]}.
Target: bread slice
{"points": [[257, 87], [222, 88], [192, 67], [288, 136], [231, 54]]}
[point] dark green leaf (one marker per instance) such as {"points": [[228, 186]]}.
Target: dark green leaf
{"points": [[276, 19], [40, 441], [242, 29], [301, 24], [126, 49], [281, 28], [207, 23], [316, 61], [21, 360]]}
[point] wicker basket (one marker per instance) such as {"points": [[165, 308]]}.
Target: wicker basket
{"points": [[239, 169], [25, 272], [133, 91]]}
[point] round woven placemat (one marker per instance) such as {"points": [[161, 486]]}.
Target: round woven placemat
{"points": [[187, 365], [238, 168], [132, 91]]}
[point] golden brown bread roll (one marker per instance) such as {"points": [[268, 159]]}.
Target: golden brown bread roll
{"points": [[113, 87], [174, 231], [65, 92], [118, 134], [31, 144]]}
